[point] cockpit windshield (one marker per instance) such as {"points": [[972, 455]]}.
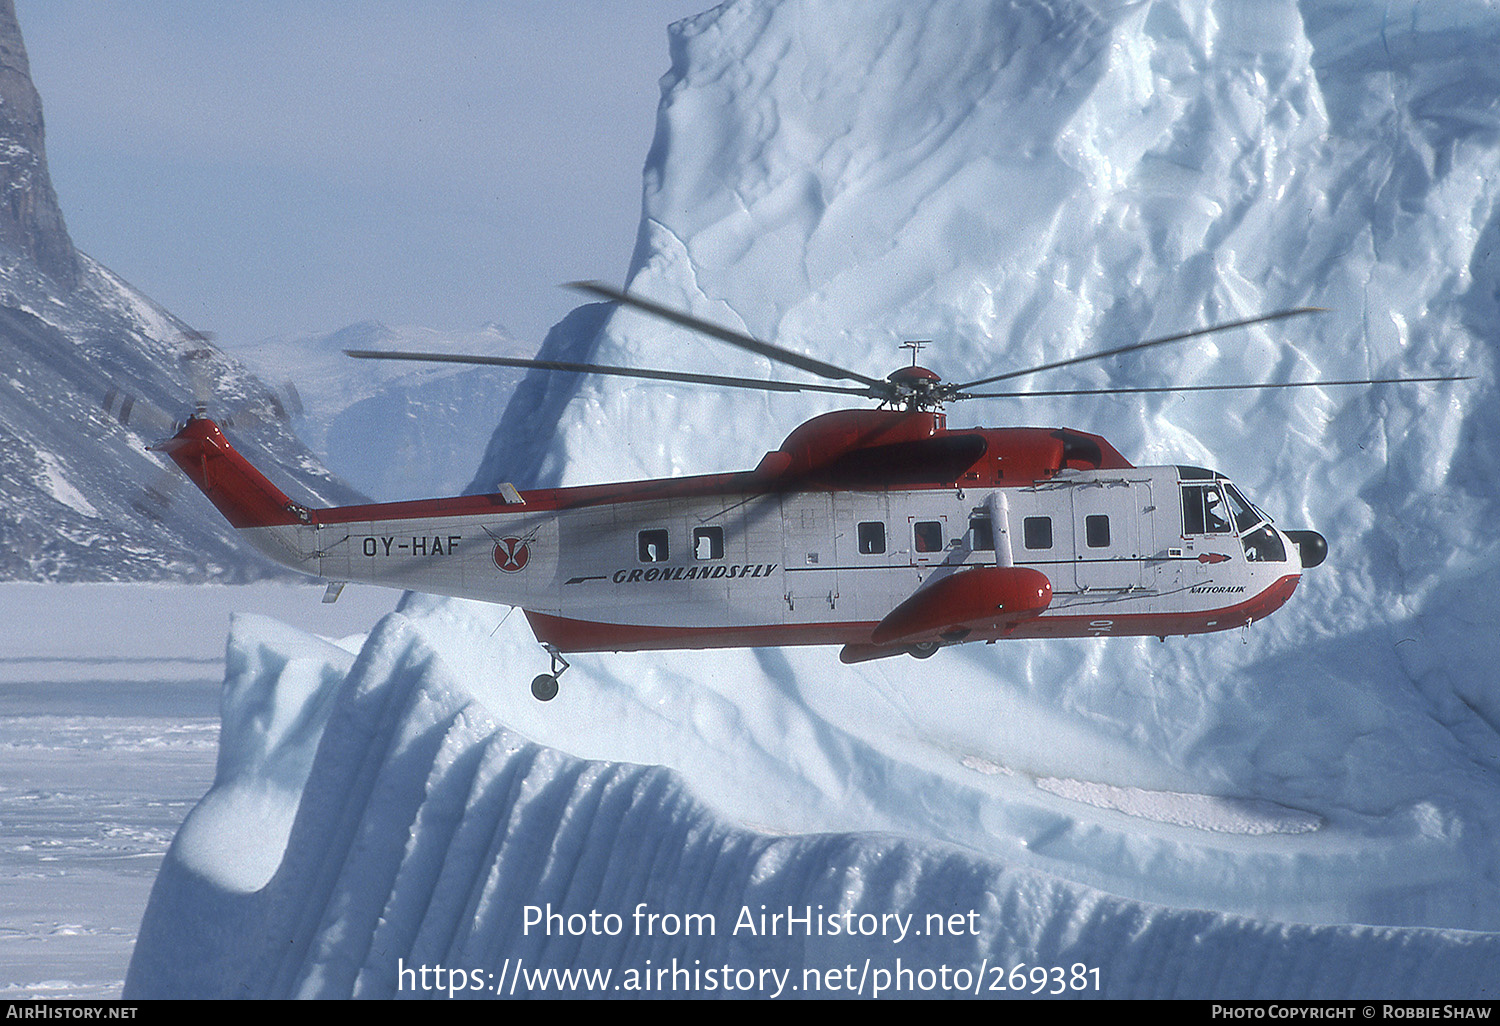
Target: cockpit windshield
{"points": [[1262, 543], [1245, 514]]}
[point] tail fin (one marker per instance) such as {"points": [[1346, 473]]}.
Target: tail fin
{"points": [[237, 489]]}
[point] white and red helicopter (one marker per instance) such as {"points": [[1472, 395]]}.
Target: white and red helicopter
{"points": [[880, 530]]}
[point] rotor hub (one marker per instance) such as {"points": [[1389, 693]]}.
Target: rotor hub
{"points": [[916, 388]]}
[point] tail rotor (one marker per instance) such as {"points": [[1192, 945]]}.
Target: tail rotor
{"points": [[206, 370]]}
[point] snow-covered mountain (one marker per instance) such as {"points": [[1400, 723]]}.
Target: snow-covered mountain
{"points": [[1306, 808], [395, 430], [76, 500]]}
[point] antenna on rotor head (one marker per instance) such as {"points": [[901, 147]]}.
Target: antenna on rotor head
{"points": [[916, 346]]}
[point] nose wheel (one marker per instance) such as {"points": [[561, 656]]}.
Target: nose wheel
{"points": [[544, 685]]}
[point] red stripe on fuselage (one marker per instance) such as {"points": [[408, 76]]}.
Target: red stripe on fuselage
{"points": [[571, 635], [547, 500], [809, 460]]}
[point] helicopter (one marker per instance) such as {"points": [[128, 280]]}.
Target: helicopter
{"points": [[883, 531]]}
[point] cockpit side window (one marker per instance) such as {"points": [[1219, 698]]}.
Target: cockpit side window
{"points": [[1203, 510]]}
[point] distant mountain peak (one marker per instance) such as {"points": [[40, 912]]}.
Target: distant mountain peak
{"points": [[362, 334], [31, 222]]}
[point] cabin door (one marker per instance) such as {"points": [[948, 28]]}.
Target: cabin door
{"points": [[809, 557], [1108, 522]]}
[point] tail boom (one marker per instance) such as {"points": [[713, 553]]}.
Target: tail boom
{"points": [[239, 491]]}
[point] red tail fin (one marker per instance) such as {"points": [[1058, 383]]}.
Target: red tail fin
{"points": [[239, 491]]}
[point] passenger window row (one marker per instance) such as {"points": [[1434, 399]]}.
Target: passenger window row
{"points": [[654, 546], [927, 535]]}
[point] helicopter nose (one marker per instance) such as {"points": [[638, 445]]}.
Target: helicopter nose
{"points": [[1312, 546]]}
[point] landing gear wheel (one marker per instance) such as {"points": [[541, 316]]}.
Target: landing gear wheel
{"points": [[544, 685], [925, 649]]}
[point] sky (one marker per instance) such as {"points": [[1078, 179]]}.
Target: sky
{"points": [[286, 167]]}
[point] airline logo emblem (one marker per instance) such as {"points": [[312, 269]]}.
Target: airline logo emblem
{"points": [[512, 555]]}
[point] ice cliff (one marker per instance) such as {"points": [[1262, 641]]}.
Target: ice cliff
{"points": [[423, 835]]}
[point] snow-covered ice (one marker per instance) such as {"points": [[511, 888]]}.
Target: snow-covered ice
{"points": [[424, 831], [1308, 808]]}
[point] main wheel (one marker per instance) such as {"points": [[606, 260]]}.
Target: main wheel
{"points": [[544, 687], [924, 649]]}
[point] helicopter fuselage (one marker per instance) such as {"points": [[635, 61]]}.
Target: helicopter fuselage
{"points": [[879, 530]]}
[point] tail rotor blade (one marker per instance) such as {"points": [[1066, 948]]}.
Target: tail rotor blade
{"points": [[198, 365], [155, 500], [276, 406], [131, 411], [293, 400]]}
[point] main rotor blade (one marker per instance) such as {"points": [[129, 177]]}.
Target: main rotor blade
{"points": [[1278, 315], [734, 338], [1205, 388], [596, 368]]}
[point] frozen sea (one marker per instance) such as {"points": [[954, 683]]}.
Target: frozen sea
{"points": [[109, 726]]}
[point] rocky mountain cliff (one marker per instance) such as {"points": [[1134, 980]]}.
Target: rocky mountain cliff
{"points": [[81, 498], [31, 223]]}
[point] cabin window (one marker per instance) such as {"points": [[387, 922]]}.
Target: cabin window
{"points": [[981, 534], [651, 546], [871, 538], [1036, 532], [708, 543], [1203, 510], [1096, 531], [928, 535]]}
